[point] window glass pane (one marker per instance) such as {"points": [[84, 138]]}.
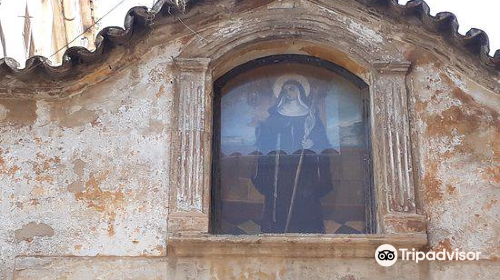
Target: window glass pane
{"points": [[292, 152]]}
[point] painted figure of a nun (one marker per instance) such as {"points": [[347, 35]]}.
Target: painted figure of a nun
{"points": [[291, 174]]}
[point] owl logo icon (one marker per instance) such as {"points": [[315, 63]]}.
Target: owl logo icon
{"points": [[386, 255]]}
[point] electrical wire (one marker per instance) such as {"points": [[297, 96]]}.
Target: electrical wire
{"points": [[95, 23], [87, 29], [65, 46]]}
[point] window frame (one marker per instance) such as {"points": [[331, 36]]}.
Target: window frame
{"points": [[370, 224], [200, 63], [191, 163]]}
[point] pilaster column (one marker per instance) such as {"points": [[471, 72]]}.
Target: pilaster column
{"points": [[191, 147], [392, 149]]}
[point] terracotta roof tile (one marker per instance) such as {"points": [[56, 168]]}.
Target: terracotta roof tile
{"points": [[475, 42]]}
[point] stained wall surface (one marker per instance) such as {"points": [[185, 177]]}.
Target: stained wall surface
{"points": [[87, 175], [85, 182]]}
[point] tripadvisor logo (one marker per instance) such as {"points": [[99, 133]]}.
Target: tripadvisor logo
{"points": [[387, 255]]}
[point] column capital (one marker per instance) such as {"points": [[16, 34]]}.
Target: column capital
{"points": [[387, 66], [192, 64]]}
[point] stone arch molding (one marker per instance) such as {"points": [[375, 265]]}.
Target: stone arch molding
{"points": [[303, 31], [292, 31]]}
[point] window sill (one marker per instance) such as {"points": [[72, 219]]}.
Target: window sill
{"points": [[290, 245]]}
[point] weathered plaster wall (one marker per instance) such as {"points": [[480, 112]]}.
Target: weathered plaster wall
{"points": [[87, 174], [245, 268], [83, 268], [457, 124]]}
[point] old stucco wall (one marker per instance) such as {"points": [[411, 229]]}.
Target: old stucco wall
{"points": [[87, 175], [457, 125]]}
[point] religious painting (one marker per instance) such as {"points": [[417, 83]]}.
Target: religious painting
{"points": [[291, 150]]}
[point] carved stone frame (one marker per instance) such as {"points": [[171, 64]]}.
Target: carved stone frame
{"points": [[391, 148], [394, 190], [198, 66]]}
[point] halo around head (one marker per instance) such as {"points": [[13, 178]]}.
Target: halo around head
{"points": [[278, 85]]}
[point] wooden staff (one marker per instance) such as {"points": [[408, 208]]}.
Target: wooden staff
{"points": [[308, 126], [276, 170]]}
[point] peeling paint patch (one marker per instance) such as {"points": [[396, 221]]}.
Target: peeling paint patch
{"points": [[78, 166], [16, 112], [29, 231], [3, 112], [366, 35], [432, 183], [76, 187], [98, 199]]}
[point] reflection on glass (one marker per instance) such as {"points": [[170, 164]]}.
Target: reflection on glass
{"points": [[291, 152]]}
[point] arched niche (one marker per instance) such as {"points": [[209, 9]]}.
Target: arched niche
{"points": [[257, 148], [201, 62]]}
